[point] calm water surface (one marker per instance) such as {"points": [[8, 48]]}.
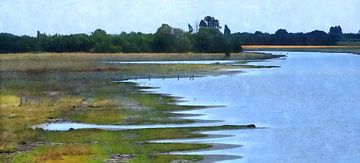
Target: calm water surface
{"points": [[310, 106]]}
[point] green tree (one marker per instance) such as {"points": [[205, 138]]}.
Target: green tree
{"points": [[227, 40], [335, 34], [191, 29], [168, 39], [101, 41], [209, 40], [227, 31], [212, 22]]}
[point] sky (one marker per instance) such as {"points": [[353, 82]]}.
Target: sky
{"points": [[25, 17]]}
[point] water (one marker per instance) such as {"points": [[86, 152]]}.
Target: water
{"points": [[310, 105], [72, 125]]}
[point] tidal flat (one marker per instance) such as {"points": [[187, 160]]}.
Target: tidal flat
{"points": [[39, 88]]}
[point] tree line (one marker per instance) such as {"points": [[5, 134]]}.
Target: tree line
{"points": [[282, 37], [205, 37]]}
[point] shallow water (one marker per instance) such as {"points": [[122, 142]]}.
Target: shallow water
{"points": [[310, 105], [72, 125]]}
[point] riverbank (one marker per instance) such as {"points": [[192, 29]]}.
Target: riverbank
{"points": [[328, 49], [79, 88]]}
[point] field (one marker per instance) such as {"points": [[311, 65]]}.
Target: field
{"points": [[79, 87], [335, 49]]}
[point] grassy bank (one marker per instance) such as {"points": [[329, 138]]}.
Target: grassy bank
{"points": [[79, 87], [330, 49]]}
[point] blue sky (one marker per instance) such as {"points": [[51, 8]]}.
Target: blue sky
{"points": [[84, 16]]}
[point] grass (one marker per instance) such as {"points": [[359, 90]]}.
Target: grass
{"points": [[334, 49], [79, 87], [16, 122]]}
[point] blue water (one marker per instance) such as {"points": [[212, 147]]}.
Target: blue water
{"points": [[310, 106]]}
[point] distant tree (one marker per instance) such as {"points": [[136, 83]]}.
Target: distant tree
{"points": [[318, 38], [203, 24], [281, 32], [227, 31], [78, 42], [42, 41], [8, 43], [281, 37], [163, 39], [191, 29], [227, 34], [209, 40], [102, 41], [335, 34], [169, 39], [236, 40], [99, 32], [210, 22], [336, 30]]}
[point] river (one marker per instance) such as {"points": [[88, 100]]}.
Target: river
{"points": [[310, 107]]}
